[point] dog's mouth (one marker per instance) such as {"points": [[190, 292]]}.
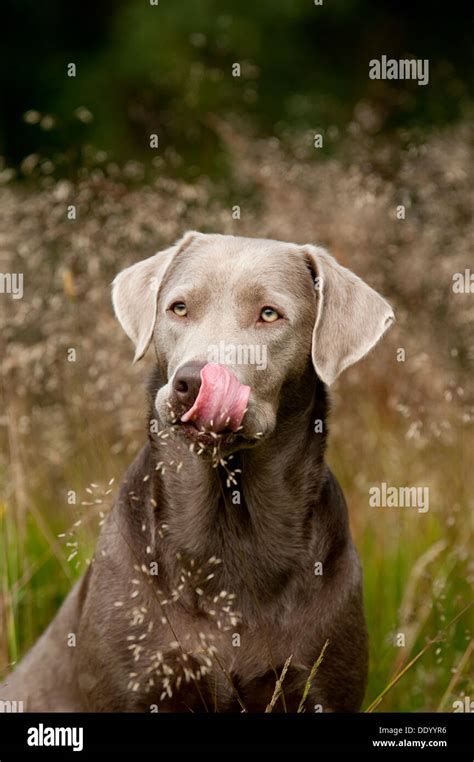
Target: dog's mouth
{"points": [[221, 402], [215, 420], [218, 444], [207, 438]]}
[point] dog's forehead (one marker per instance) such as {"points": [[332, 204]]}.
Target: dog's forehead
{"points": [[222, 246], [236, 259]]}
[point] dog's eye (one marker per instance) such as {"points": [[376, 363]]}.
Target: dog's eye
{"points": [[269, 315], [179, 309]]}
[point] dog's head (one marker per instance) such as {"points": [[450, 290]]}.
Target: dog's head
{"points": [[234, 319]]}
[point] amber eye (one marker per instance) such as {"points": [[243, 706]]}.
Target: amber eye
{"points": [[269, 315], [180, 309]]}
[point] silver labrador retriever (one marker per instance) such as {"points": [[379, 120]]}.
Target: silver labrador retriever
{"points": [[228, 553]]}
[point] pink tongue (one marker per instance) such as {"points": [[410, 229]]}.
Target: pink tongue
{"points": [[221, 402]]}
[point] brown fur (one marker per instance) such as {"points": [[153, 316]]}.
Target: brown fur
{"points": [[291, 515]]}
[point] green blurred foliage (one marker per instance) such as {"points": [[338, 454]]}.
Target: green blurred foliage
{"points": [[167, 69]]}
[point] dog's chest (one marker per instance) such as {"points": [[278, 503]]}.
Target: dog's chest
{"points": [[188, 662]]}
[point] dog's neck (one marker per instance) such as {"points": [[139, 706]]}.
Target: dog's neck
{"points": [[254, 512]]}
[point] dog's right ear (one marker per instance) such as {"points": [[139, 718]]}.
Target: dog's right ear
{"points": [[135, 293], [351, 316]]}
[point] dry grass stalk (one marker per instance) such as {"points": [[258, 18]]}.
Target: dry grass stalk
{"points": [[311, 677], [278, 686]]}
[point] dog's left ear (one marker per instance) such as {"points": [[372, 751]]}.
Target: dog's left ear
{"points": [[135, 293], [351, 316]]}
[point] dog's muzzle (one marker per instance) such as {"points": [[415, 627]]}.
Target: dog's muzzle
{"points": [[212, 397]]}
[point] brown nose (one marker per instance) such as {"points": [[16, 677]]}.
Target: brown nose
{"points": [[187, 382]]}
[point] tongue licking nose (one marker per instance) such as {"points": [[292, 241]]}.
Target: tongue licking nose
{"points": [[221, 401]]}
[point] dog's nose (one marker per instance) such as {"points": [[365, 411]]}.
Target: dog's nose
{"points": [[187, 382]]}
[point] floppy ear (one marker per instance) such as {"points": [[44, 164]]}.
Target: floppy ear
{"points": [[135, 294], [351, 316]]}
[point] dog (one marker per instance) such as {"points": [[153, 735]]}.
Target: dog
{"points": [[225, 577]]}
